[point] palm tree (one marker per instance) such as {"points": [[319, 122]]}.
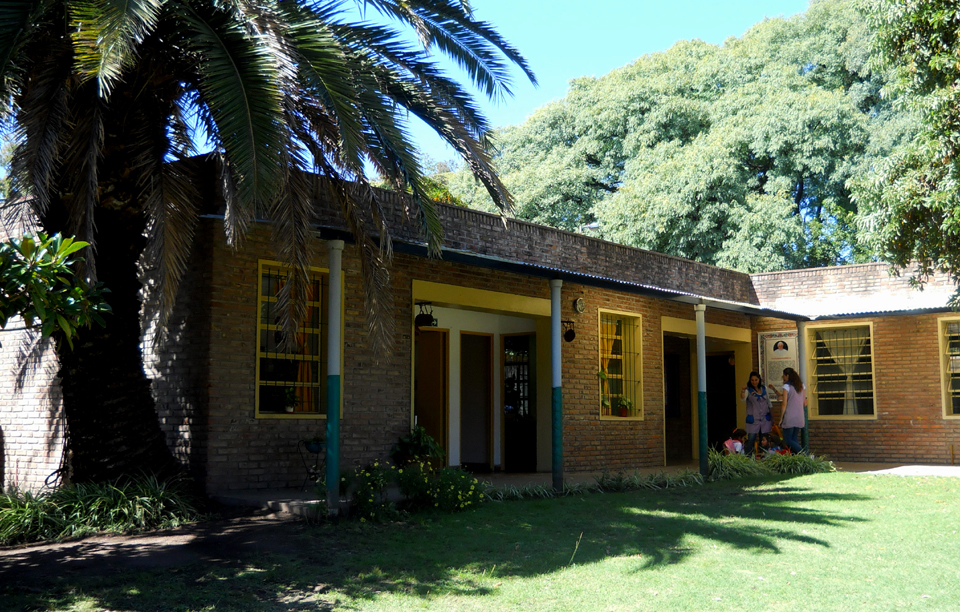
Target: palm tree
{"points": [[108, 97]]}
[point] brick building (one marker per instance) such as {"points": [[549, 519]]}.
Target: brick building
{"points": [[877, 355]]}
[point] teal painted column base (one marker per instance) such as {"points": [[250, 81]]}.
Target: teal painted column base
{"points": [[333, 444], [702, 429], [556, 420]]}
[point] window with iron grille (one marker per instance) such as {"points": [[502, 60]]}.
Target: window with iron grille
{"points": [[842, 371], [950, 371], [619, 374], [291, 380]]}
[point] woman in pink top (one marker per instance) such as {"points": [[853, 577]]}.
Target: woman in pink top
{"points": [[791, 409]]}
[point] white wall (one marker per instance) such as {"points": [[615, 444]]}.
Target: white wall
{"points": [[458, 321]]}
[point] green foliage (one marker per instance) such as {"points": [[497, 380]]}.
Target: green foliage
{"points": [[422, 487], [417, 444], [369, 488], [911, 202], [38, 284], [739, 155], [456, 490], [729, 466], [138, 505]]}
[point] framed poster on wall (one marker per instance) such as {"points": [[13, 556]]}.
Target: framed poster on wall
{"points": [[778, 350]]}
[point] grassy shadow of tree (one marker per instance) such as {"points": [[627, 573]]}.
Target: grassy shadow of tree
{"points": [[524, 539], [456, 555]]}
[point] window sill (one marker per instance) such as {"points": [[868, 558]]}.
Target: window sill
{"points": [[842, 417], [292, 415]]}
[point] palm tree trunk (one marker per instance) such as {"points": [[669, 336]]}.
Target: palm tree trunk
{"points": [[113, 429]]}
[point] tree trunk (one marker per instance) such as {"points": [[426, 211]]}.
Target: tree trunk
{"points": [[113, 429]]}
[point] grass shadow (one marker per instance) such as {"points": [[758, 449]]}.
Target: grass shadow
{"points": [[298, 566]]}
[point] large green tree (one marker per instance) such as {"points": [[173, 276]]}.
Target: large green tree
{"points": [[108, 95], [911, 203], [739, 155]]}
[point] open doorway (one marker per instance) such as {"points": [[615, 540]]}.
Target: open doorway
{"points": [[721, 398], [430, 407], [677, 406], [519, 403], [476, 401]]}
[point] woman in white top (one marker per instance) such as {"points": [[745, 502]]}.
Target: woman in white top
{"points": [[791, 409]]}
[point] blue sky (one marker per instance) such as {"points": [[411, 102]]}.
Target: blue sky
{"points": [[565, 39]]}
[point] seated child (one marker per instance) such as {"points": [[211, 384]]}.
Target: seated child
{"points": [[771, 444], [734, 446]]}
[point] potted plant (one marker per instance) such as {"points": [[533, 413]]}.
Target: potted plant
{"points": [[624, 406], [290, 399], [604, 398], [317, 444], [417, 444]]}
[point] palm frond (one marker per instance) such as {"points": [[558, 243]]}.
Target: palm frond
{"points": [[474, 45], [170, 203], [324, 67], [15, 19], [238, 84], [81, 169], [105, 36], [41, 123]]}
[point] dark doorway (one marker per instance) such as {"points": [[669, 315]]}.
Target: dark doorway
{"points": [[519, 404], [430, 384], [721, 399], [476, 401], [677, 411]]}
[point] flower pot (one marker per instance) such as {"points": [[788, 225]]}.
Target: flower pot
{"points": [[315, 447], [624, 412]]}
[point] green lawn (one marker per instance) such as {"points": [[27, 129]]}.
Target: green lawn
{"points": [[820, 542]]}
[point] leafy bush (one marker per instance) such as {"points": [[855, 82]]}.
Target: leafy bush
{"points": [[369, 484], [726, 467], [137, 505], [417, 486], [447, 489], [457, 490], [417, 444]]}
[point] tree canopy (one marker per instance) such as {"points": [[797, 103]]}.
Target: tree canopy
{"points": [[911, 202], [741, 155]]}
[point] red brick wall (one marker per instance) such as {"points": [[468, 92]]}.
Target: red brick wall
{"points": [[31, 414], [910, 427], [248, 453]]}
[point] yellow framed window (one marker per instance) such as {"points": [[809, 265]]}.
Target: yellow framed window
{"points": [[950, 366], [291, 382], [842, 371], [620, 366]]}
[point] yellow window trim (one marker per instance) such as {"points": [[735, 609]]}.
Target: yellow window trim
{"points": [[946, 404], [637, 319], [812, 402], [270, 263]]}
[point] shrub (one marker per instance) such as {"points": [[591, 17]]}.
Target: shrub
{"points": [[137, 505], [726, 467], [416, 481], [417, 444], [457, 490], [369, 484]]}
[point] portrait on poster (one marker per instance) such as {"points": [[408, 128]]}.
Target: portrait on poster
{"points": [[778, 350]]}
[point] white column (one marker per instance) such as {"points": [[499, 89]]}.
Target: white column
{"points": [[556, 362], [700, 310], [334, 300]]}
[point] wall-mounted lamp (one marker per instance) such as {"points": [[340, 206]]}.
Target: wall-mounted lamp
{"points": [[568, 333], [425, 318]]}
